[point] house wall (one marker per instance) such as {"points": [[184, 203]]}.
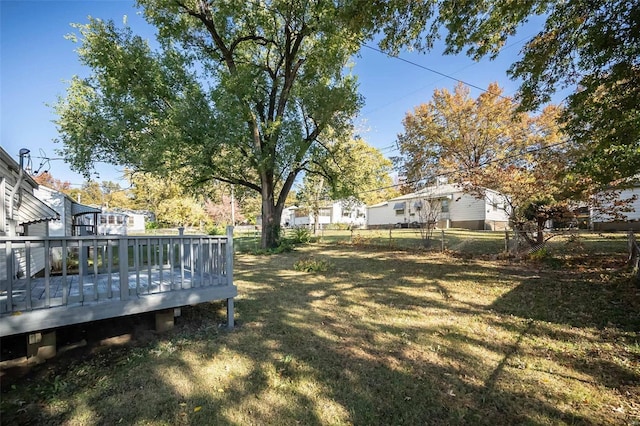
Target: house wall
{"points": [[465, 208], [112, 224], [135, 223], [58, 202], [8, 179], [380, 216], [355, 215], [604, 222], [465, 211]]}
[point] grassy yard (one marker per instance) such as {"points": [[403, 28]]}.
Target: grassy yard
{"points": [[381, 335]]}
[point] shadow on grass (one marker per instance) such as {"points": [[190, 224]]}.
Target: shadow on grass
{"points": [[383, 338]]}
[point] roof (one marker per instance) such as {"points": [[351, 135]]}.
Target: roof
{"points": [[32, 210], [430, 192], [78, 209]]}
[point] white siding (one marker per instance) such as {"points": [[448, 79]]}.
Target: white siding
{"points": [[381, 215], [58, 202], [465, 207], [496, 207], [135, 222], [634, 205]]}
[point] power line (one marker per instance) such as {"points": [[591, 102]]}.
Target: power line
{"points": [[434, 71]]}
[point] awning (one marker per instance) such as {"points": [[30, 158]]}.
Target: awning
{"points": [[32, 210], [399, 206], [78, 209]]}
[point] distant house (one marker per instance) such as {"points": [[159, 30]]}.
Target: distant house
{"points": [[73, 216], [446, 205], [21, 214], [339, 212], [602, 219], [120, 222]]}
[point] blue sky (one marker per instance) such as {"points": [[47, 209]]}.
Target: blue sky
{"points": [[36, 61]]}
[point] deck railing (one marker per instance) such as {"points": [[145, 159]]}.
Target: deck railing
{"points": [[44, 272]]}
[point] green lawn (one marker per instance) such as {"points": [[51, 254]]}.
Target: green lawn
{"points": [[386, 335]]}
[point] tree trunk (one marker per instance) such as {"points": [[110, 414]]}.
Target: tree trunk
{"points": [[271, 215]]}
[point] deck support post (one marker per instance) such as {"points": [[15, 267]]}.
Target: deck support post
{"points": [[164, 320], [230, 316], [41, 346]]}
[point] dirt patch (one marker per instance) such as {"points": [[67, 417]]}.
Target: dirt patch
{"points": [[74, 343]]}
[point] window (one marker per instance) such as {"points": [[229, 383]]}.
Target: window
{"points": [[399, 208], [130, 220], [103, 220], [119, 220], [444, 206], [112, 220]]}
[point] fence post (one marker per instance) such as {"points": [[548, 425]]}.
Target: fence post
{"points": [[229, 253], [442, 240], [634, 256], [506, 241]]}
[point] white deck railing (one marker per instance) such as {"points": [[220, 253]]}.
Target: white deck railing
{"points": [[46, 272]]}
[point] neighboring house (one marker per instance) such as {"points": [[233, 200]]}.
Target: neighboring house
{"points": [[447, 205], [73, 216], [602, 219], [339, 212], [121, 222], [21, 214]]}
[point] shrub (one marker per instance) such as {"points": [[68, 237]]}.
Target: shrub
{"points": [[539, 255], [311, 265], [216, 230], [301, 235]]}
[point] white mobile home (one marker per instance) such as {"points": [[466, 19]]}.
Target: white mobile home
{"points": [[340, 212], [446, 205]]}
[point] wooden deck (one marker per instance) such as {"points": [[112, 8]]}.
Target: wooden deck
{"points": [[159, 272]]}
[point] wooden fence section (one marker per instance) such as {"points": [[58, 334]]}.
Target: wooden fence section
{"points": [[97, 277]]}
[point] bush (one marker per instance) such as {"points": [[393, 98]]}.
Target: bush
{"points": [[311, 265], [151, 225], [539, 255], [301, 236], [216, 230]]}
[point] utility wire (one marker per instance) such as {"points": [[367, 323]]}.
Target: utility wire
{"points": [[434, 71]]}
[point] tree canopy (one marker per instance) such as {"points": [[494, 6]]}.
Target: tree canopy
{"points": [[485, 143], [239, 92], [592, 46]]}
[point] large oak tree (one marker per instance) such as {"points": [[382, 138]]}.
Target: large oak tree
{"points": [[237, 91]]}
